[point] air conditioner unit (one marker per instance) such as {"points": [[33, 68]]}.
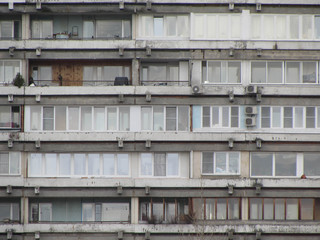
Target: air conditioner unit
{"points": [[251, 110], [250, 121], [196, 89], [121, 81], [251, 89]]}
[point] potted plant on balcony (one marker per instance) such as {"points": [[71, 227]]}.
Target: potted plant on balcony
{"points": [[18, 80]]}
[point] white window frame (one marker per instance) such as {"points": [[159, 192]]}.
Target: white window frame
{"points": [[3, 80], [301, 72], [41, 27], [153, 166], [220, 125], [226, 73], [298, 166], [10, 156], [266, 72], [105, 20], [12, 28], [214, 172], [12, 206], [72, 174]]}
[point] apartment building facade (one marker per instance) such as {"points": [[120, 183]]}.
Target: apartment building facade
{"points": [[160, 119]]}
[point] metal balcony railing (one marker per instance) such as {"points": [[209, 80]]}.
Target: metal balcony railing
{"points": [[165, 83], [75, 82]]}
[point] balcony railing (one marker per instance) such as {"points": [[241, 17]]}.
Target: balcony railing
{"points": [[165, 83], [77, 83]]}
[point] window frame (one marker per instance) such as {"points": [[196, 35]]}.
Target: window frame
{"points": [[12, 205], [10, 160], [221, 118], [227, 162], [3, 78]]}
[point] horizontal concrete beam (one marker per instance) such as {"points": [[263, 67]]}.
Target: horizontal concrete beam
{"points": [[222, 182]]}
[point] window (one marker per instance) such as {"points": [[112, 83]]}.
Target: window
{"points": [[106, 212], [42, 29], [216, 26], [10, 163], [159, 164], [217, 117], [216, 208], [113, 29], [311, 164], [163, 210], [8, 71], [41, 212], [159, 118], [104, 75], [281, 209], [165, 74], [288, 117], [85, 118], [301, 72], [266, 72], [42, 76], [9, 212], [164, 26], [221, 72], [10, 29], [78, 164], [220, 163], [9, 117], [273, 164]]}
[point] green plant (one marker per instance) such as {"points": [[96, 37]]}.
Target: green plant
{"points": [[18, 80]]}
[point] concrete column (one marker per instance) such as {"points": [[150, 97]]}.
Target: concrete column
{"points": [[25, 210], [195, 73], [26, 29], [24, 70], [134, 210], [244, 209], [196, 165], [245, 164], [135, 72]]}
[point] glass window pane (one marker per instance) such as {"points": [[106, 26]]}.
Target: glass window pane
{"points": [[268, 27], [183, 26], [223, 27], [171, 118], [205, 116], [5, 211], [298, 117], [285, 164], [268, 209], [146, 164], [60, 118], [234, 117], [256, 26], [287, 118], [294, 27], [233, 208], [48, 118], [173, 164], [65, 164], [14, 162], [274, 72], [124, 121], [109, 28], [255, 209], [211, 26], [93, 164], [306, 210], [198, 207], [147, 25], [317, 26], [279, 209], [157, 73], [225, 116], [51, 164], [126, 29], [215, 116], [112, 118], [258, 72], [108, 164], [86, 118], [276, 117], [123, 164], [281, 27], [99, 119], [310, 117], [115, 212], [265, 117], [221, 165], [307, 27], [4, 163], [79, 164], [198, 28], [261, 164], [221, 209], [234, 72], [309, 72], [292, 209], [293, 72], [210, 208], [235, 26], [311, 164], [146, 118], [183, 118], [15, 212], [5, 116], [171, 26], [45, 212], [73, 118], [157, 210], [159, 164], [6, 29], [234, 159], [158, 26], [88, 212], [214, 72], [35, 164], [158, 118], [207, 162]]}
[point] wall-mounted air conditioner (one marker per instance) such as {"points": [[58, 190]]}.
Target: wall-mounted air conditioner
{"points": [[251, 89], [250, 121], [251, 110]]}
